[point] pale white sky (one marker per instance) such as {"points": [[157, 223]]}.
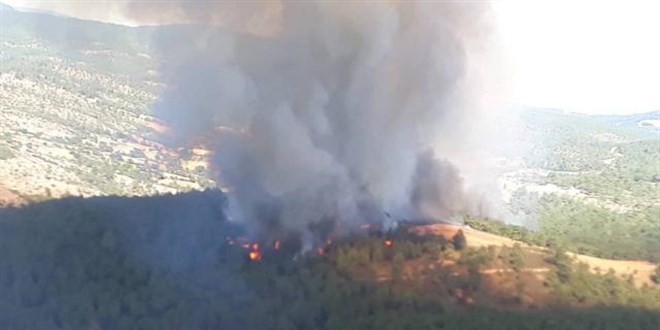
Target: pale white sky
{"points": [[582, 55]]}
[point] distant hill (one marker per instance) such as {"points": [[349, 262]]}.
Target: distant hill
{"points": [[633, 120], [71, 34], [629, 121], [5, 8], [75, 112]]}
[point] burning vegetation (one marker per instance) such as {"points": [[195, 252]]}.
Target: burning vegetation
{"points": [[255, 250], [255, 253]]}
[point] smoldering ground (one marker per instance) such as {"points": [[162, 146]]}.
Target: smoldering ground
{"points": [[334, 114]]}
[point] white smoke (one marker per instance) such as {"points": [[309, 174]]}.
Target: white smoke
{"points": [[332, 107]]}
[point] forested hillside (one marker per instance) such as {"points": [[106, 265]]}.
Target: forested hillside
{"points": [[590, 183], [160, 262]]}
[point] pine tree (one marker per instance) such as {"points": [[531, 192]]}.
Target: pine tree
{"points": [[459, 241]]}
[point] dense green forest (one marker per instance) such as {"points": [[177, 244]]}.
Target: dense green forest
{"points": [[165, 262], [602, 177], [586, 229]]}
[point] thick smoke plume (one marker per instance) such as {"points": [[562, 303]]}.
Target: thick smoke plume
{"points": [[328, 111]]}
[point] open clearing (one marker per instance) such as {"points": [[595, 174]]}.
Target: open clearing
{"points": [[639, 269]]}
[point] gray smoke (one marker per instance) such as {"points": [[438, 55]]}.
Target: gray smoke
{"points": [[328, 113]]}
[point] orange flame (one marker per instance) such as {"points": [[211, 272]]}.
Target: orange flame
{"points": [[388, 242], [255, 255]]}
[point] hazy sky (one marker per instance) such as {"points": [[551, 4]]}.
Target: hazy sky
{"points": [[583, 56]]}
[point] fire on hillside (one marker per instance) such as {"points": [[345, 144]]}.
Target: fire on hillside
{"points": [[257, 249]]}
